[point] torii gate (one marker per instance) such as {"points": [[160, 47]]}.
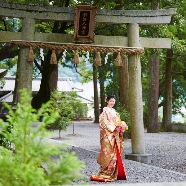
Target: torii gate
{"points": [[131, 17]]}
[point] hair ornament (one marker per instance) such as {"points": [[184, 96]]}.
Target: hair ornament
{"points": [[106, 99]]}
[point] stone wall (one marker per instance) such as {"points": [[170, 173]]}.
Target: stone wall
{"points": [[179, 127]]}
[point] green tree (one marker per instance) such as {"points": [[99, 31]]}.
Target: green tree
{"points": [[175, 31], [28, 161], [69, 107], [62, 103], [80, 109]]}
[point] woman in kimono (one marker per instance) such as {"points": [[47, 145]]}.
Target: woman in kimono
{"points": [[111, 144]]}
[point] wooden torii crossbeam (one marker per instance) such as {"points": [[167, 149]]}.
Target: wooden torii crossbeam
{"points": [[133, 19]]}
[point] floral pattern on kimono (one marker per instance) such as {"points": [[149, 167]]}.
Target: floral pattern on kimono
{"points": [[109, 138]]}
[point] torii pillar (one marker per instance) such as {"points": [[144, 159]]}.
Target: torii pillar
{"points": [[25, 67], [135, 92]]}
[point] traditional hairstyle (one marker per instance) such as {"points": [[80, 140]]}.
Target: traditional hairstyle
{"points": [[109, 97]]}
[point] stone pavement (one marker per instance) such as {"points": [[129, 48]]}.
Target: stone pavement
{"points": [[168, 155]]}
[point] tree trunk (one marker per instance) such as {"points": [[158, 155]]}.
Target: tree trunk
{"points": [[155, 4], [96, 99], [44, 93], [49, 75], [167, 107], [59, 133], [152, 113], [50, 72], [102, 78], [124, 84], [152, 125], [53, 78], [102, 94], [123, 74], [15, 94]]}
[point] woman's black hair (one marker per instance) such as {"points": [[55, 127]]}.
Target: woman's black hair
{"points": [[110, 97]]}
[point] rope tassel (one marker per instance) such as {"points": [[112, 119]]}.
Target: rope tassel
{"points": [[76, 58], [31, 55], [97, 61], [53, 58], [118, 60]]}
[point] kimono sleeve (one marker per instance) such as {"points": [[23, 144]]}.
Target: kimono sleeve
{"points": [[105, 123]]}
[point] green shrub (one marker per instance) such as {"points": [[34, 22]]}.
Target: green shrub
{"points": [[125, 116], [28, 160], [80, 109], [3, 140], [68, 107], [62, 103]]}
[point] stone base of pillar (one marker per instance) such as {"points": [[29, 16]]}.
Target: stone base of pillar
{"points": [[143, 158]]}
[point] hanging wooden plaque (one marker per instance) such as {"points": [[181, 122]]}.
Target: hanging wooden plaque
{"points": [[84, 23]]}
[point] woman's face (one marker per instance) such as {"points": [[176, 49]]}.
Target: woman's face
{"points": [[111, 102]]}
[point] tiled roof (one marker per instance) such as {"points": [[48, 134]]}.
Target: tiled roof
{"points": [[3, 72], [85, 100], [8, 98], [65, 84]]}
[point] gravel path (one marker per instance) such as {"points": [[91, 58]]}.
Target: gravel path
{"points": [[168, 154]]}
